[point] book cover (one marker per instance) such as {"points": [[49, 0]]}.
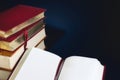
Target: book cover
{"points": [[17, 18], [14, 41], [46, 66], [8, 59]]}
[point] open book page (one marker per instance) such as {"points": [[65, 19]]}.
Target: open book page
{"points": [[81, 68], [39, 65]]}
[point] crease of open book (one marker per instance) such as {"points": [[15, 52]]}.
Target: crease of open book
{"points": [[60, 65]]}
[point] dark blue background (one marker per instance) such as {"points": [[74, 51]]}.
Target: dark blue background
{"points": [[81, 27]]}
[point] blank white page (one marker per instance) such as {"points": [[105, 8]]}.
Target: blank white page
{"points": [[39, 65], [81, 68]]}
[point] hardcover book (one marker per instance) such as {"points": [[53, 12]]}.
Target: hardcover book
{"points": [[14, 41], [8, 59], [38, 64], [17, 18], [4, 74]]}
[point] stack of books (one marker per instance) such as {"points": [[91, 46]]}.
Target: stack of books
{"points": [[21, 27]]}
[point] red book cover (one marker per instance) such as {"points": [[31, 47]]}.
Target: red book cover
{"points": [[12, 17]]}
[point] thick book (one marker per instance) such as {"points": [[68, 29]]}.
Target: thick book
{"points": [[14, 41], [9, 59], [17, 18], [38, 64], [4, 74]]}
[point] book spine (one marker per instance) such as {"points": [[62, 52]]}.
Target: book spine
{"points": [[59, 69]]}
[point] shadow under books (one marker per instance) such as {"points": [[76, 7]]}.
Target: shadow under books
{"points": [[53, 35]]}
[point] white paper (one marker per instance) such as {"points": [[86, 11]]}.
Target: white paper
{"points": [[39, 65], [81, 68]]}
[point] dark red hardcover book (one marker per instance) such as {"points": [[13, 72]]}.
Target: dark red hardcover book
{"points": [[12, 19]]}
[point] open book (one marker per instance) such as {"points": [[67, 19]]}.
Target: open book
{"points": [[38, 64]]}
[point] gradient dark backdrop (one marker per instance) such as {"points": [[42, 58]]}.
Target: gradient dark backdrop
{"points": [[81, 27]]}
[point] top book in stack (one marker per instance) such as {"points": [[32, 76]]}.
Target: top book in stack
{"points": [[16, 21], [17, 18]]}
